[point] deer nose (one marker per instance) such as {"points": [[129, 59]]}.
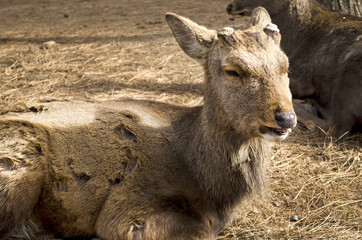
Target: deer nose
{"points": [[285, 120], [228, 8]]}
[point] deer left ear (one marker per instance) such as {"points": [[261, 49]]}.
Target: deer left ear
{"points": [[272, 31]]}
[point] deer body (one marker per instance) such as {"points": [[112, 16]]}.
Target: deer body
{"points": [[325, 53], [148, 170]]}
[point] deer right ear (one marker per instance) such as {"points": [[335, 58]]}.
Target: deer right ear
{"points": [[260, 19], [194, 39]]}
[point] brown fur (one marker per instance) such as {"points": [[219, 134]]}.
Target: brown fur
{"points": [[148, 170], [325, 52]]}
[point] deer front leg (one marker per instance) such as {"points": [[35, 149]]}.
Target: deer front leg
{"points": [[125, 217]]}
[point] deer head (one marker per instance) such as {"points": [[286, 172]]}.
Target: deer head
{"points": [[247, 84]]}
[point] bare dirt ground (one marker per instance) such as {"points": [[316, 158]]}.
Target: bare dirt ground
{"points": [[124, 49]]}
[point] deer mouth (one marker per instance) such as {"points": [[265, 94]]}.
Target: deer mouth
{"points": [[273, 134]]}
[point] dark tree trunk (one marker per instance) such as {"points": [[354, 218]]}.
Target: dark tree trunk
{"points": [[352, 7]]}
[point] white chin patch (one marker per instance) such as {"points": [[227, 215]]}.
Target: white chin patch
{"points": [[274, 134], [275, 137]]}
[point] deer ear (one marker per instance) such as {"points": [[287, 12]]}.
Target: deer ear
{"points": [[194, 39], [261, 20]]}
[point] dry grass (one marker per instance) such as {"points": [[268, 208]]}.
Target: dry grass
{"points": [[315, 179], [123, 49]]}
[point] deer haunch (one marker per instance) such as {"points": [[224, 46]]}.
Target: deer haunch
{"points": [[148, 170], [325, 53]]}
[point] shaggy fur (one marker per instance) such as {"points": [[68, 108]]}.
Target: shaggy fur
{"points": [[148, 170]]}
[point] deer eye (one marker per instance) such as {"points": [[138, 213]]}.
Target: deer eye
{"points": [[232, 73]]}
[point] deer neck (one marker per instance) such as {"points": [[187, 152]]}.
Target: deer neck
{"points": [[227, 165]]}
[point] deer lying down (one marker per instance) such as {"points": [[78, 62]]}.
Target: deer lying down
{"points": [[325, 53], [149, 170]]}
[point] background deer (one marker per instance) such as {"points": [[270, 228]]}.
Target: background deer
{"points": [[325, 53], [148, 170]]}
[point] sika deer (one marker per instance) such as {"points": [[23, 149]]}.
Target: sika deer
{"points": [[325, 53], [149, 170]]}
